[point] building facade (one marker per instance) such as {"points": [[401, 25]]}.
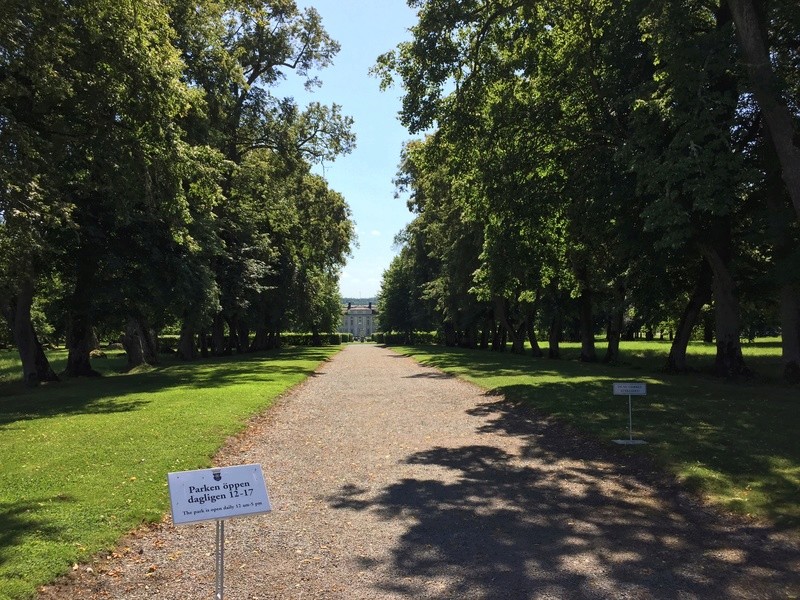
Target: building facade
{"points": [[361, 321]]}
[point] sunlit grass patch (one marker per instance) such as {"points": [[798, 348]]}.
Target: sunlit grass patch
{"points": [[85, 461]]}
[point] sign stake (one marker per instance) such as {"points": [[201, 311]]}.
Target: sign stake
{"points": [[220, 559], [215, 495], [630, 389], [630, 419]]}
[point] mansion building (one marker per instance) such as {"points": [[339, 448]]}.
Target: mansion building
{"points": [[361, 321]]}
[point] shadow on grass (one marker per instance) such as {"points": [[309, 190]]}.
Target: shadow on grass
{"points": [[20, 520], [734, 442], [110, 394], [567, 525], [17, 409], [712, 443]]}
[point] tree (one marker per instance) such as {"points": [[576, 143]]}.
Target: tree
{"points": [[397, 297], [93, 128], [235, 51], [35, 83], [768, 36], [754, 24], [537, 107]]}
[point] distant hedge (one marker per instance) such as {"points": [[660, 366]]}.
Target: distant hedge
{"points": [[418, 338], [169, 343], [305, 339]]}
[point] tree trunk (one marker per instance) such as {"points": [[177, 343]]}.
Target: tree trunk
{"points": [[233, 334], [187, 349], [777, 116], [243, 336], [536, 349], [133, 345], [35, 366], [94, 342], [530, 323], [79, 346], [204, 351], [260, 340], [80, 337], [588, 353], [497, 336], [316, 339], [708, 326], [615, 324], [729, 362], [701, 295], [790, 332], [517, 333], [487, 327], [149, 342], [450, 338], [554, 336], [272, 341], [275, 340], [140, 343], [780, 228], [471, 336], [218, 335]]}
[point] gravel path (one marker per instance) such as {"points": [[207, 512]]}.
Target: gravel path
{"points": [[391, 480]]}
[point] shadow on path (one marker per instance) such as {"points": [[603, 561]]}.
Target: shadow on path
{"points": [[559, 521]]}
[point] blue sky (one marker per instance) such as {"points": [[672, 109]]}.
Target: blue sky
{"points": [[365, 29]]}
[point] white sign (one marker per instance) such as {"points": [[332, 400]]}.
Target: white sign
{"points": [[215, 494], [630, 389]]}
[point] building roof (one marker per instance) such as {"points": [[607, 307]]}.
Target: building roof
{"points": [[359, 310]]}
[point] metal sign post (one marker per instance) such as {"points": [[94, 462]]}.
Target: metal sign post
{"points": [[630, 389], [220, 560], [216, 495]]}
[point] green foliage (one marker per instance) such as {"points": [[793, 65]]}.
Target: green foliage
{"points": [[85, 462], [580, 162], [398, 296], [309, 339], [151, 173], [423, 338]]}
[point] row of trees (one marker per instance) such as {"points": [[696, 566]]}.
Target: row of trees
{"points": [[595, 163], [150, 177]]}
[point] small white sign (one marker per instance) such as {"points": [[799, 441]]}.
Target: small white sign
{"points": [[215, 494], [630, 389]]}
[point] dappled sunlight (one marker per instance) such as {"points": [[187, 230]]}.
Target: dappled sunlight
{"points": [[24, 410], [26, 518], [131, 392], [505, 524], [554, 515], [721, 438], [733, 556], [85, 459]]}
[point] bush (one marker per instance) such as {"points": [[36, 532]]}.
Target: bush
{"points": [[306, 339], [418, 338], [168, 344]]}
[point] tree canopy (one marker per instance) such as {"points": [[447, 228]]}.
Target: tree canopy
{"points": [[152, 179], [602, 166]]}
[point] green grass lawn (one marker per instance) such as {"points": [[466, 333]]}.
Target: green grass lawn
{"points": [[735, 444], [85, 461]]}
